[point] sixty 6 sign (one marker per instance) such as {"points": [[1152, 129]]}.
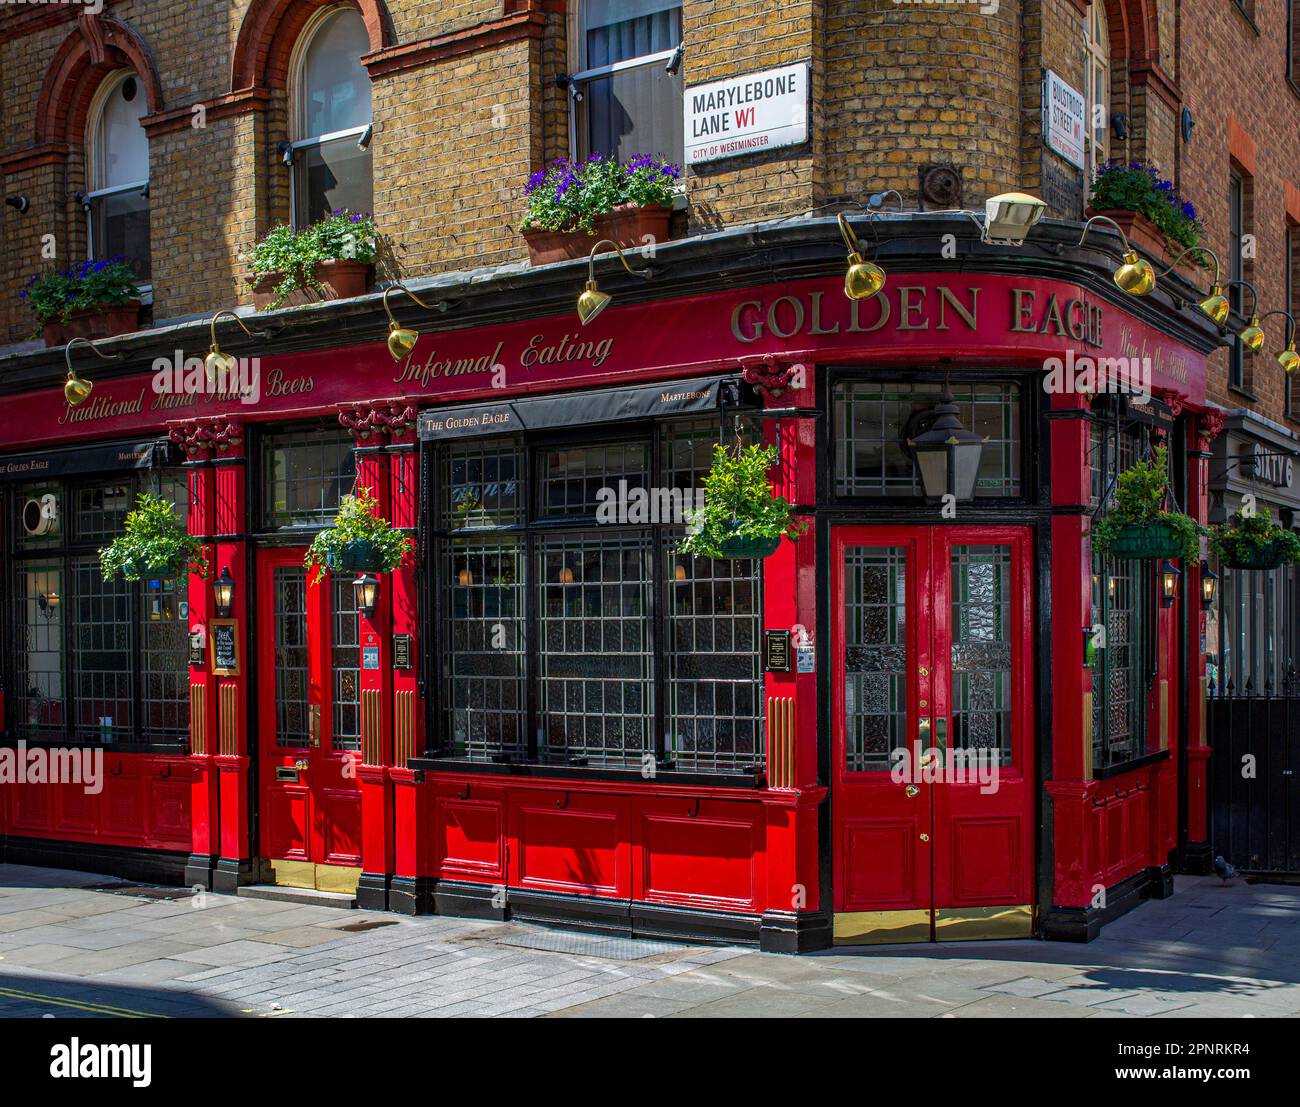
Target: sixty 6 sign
{"points": [[745, 115]]}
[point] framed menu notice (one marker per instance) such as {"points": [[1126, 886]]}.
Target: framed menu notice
{"points": [[224, 634]]}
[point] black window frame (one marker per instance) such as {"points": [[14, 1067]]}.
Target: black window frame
{"points": [[532, 530], [68, 553]]}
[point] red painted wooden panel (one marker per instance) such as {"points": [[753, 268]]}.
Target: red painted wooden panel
{"points": [[703, 853], [469, 839], [976, 883], [75, 811], [31, 810], [342, 825], [571, 842], [123, 814], [879, 866], [286, 815]]}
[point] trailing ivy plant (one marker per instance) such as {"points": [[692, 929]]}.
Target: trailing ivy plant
{"points": [[568, 195], [1136, 186], [739, 504], [153, 543], [293, 255], [1141, 491], [89, 284], [1251, 539], [358, 524]]}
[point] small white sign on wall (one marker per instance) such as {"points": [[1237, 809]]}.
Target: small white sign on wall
{"points": [[1063, 112], [747, 115]]}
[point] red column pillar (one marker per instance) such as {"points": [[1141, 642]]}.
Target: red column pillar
{"points": [[204, 791], [1067, 769], [374, 426], [794, 919], [1196, 853]]}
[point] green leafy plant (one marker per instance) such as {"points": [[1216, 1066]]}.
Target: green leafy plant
{"points": [[1140, 495], [1254, 541], [358, 529], [89, 284], [568, 195], [293, 255], [153, 543], [1136, 186], [739, 507]]}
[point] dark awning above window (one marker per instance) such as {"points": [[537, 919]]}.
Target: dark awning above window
{"points": [[580, 409], [102, 457]]}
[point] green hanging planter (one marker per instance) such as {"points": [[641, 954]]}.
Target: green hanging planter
{"points": [[1269, 555], [358, 556], [1146, 542], [734, 545]]}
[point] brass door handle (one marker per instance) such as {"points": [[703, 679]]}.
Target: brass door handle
{"points": [[923, 729], [925, 837], [301, 766], [313, 724], [912, 791]]}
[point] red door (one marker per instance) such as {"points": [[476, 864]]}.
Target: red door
{"points": [[932, 649], [309, 734]]}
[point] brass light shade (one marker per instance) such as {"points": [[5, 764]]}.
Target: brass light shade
{"points": [[402, 340], [1135, 276], [1289, 359], [592, 301], [218, 366], [76, 391], [1252, 336], [863, 279], [1215, 305]]}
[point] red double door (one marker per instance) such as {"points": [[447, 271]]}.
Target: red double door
{"points": [[309, 725], [933, 798]]}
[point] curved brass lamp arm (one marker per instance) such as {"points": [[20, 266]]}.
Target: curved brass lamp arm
{"points": [[1104, 219], [1194, 250], [1290, 334], [440, 305], [591, 261], [212, 327], [1254, 293], [846, 231], [67, 353]]}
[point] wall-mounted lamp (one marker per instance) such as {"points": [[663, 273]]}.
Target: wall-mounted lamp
{"points": [[592, 301], [285, 150], [1252, 335], [1135, 275], [365, 590], [947, 454], [1119, 125], [75, 389], [219, 366], [1215, 305], [674, 65], [1288, 358], [402, 340], [1209, 585], [48, 602], [863, 279], [1169, 575], [1009, 217], [20, 204], [223, 593], [367, 136], [465, 578]]}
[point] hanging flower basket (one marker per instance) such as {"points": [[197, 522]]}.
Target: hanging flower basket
{"points": [[741, 517], [1254, 542], [1267, 556], [734, 545], [153, 545], [358, 541], [1146, 542], [359, 556]]}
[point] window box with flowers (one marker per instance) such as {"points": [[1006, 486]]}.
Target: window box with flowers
{"points": [[574, 205], [1147, 208], [330, 260], [93, 299]]}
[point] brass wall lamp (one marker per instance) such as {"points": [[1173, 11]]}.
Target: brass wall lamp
{"points": [[1288, 358], [219, 365], [76, 390], [1252, 335], [402, 340], [1135, 275], [1215, 305], [592, 301], [863, 279]]}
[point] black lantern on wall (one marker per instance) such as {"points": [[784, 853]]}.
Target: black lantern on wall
{"points": [[366, 591], [947, 454], [1209, 585], [223, 593], [1169, 575]]}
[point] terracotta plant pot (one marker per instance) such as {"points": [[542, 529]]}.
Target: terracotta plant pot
{"points": [[93, 323], [341, 279], [627, 225]]}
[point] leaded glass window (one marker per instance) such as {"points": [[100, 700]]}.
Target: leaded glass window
{"points": [[345, 665], [875, 656], [100, 629], [874, 419], [291, 669], [981, 651], [39, 679], [305, 477], [164, 658]]}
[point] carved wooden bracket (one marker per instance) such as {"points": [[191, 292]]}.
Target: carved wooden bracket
{"points": [[382, 418], [201, 438], [769, 374]]}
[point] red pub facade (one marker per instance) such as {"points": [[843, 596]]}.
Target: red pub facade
{"points": [[555, 716]]}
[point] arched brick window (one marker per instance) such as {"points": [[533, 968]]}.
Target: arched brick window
{"points": [[1096, 43], [117, 172]]}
